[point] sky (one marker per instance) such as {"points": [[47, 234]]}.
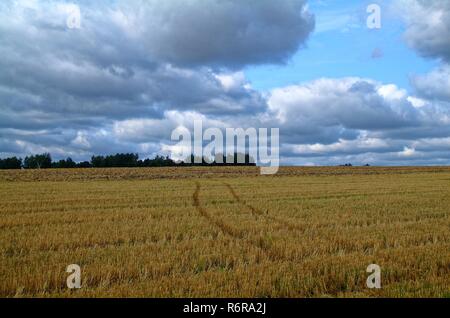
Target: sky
{"points": [[81, 78], [343, 46]]}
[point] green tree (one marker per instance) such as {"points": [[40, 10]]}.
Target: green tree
{"points": [[43, 161], [11, 163]]}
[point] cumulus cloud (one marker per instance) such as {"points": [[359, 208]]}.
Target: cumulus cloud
{"points": [[358, 120], [116, 64], [230, 33], [146, 129], [434, 85], [350, 103], [428, 32], [428, 26], [362, 144], [123, 64]]}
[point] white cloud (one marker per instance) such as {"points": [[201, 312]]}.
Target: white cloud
{"points": [[407, 152], [81, 140], [232, 81], [434, 85], [353, 103], [416, 102], [428, 26], [391, 92], [362, 144]]}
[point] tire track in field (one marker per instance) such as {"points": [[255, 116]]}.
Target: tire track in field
{"points": [[256, 211], [227, 229], [237, 234]]}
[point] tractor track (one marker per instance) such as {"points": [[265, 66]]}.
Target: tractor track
{"points": [[225, 228], [256, 211], [272, 253]]}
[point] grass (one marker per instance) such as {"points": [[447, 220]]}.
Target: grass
{"points": [[225, 232]]}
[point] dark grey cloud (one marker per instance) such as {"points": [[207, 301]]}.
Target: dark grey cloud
{"points": [[222, 33]]}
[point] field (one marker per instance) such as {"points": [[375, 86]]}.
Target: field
{"points": [[225, 232]]}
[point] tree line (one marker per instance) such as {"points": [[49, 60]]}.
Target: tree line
{"points": [[120, 160]]}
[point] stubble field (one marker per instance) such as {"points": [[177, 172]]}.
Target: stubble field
{"points": [[225, 232]]}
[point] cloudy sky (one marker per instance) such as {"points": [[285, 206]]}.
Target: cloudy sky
{"points": [[131, 71]]}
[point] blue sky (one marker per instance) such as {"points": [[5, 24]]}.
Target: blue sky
{"points": [[342, 46]]}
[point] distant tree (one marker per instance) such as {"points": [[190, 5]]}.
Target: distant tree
{"points": [[117, 160], [65, 164], [43, 161], [11, 163], [158, 161], [84, 164], [236, 159], [98, 161], [70, 163]]}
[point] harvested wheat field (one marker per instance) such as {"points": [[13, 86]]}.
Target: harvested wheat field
{"points": [[225, 232]]}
